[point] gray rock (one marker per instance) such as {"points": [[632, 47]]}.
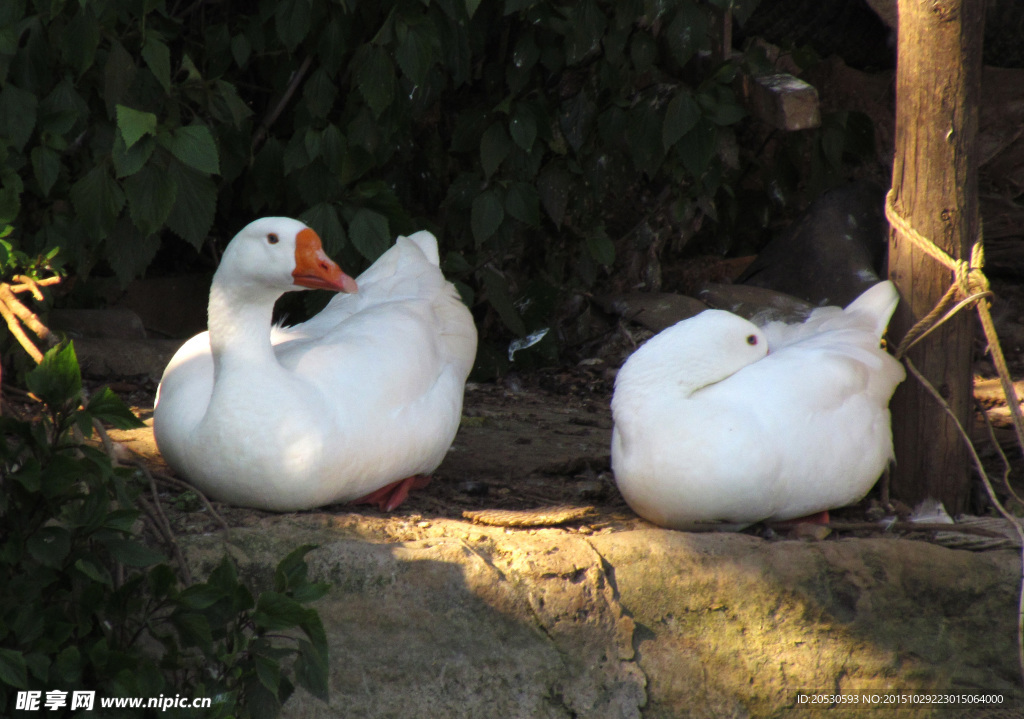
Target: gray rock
{"points": [[462, 620]]}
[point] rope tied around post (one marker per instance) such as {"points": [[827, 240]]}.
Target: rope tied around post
{"points": [[969, 282], [969, 287]]}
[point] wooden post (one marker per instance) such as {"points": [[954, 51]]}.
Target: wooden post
{"points": [[934, 180]]}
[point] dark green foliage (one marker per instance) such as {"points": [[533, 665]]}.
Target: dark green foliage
{"points": [[532, 134], [84, 604]]}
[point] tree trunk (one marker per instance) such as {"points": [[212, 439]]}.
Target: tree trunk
{"points": [[934, 181]]}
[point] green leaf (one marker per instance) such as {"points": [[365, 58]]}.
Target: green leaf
{"points": [[226, 105], [680, 117], [276, 611], [553, 184], [46, 166], [194, 630], [471, 7], [494, 147], [194, 146], [195, 204], [292, 570], [698, 146], [98, 200], [200, 596], [10, 205], [643, 134], [67, 667], [496, 287], [269, 673], [687, 33], [523, 127], [118, 75], [370, 233], [13, 671], [292, 20], [107, 407], [375, 78], [332, 148], [523, 202], [151, 194], [17, 115], [643, 51], [600, 246], [128, 161], [62, 109], [312, 669], [132, 553], [134, 124], [80, 39], [49, 546], [323, 218], [415, 51], [158, 60], [93, 571], [128, 251], [319, 93], [241, 49], [486, 215], [56, 380]]}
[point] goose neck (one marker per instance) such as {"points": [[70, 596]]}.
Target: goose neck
{"points": [[239, 323]]}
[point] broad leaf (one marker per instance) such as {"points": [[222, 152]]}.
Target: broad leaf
{"points": [[132, 553], [49, 546], [496, 287], [158, 60], [370, 233], [128, 161], [107, 407], [80, 40], [323, 218], [600, 246], [375, 78], [680, 117], [46, 166], [523, 127], [486, 215], [523, 202], [118, 75], [553, 185], [195, 204], [56, 380], [134, 124], [129, 251], [319, 93], [494, 147], [98, 200], [17, 114], [151, 194], [292, 21], [194, 146], [13, 671], [276, 611]]}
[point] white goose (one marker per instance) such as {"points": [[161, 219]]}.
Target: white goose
{"points": [[363, 399], [720, 423]]}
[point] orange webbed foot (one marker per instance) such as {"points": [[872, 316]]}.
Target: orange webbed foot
{"points": [[390, 496]]}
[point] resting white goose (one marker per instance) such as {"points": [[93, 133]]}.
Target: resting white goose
{"points": [[720, 424], [365, 395]]}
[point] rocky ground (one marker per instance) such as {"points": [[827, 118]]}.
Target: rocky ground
{"points": [[605, 615]]}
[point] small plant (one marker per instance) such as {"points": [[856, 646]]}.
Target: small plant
{"points": [[86, 605]]}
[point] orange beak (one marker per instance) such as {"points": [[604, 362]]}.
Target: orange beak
{"points": [[316, 270]]}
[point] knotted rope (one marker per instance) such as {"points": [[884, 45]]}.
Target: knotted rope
{"points": [[969, 287]]}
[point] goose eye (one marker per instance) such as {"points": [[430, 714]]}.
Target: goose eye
{"points": [[751, 339], [272, 238]]}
